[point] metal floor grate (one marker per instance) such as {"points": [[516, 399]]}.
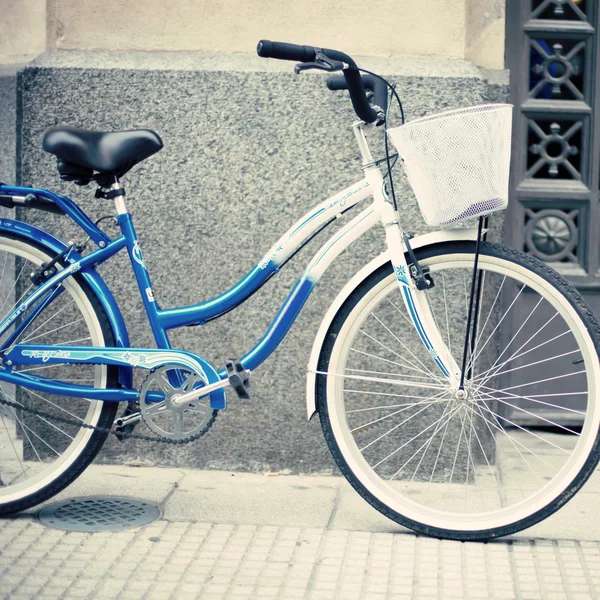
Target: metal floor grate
{"points": [[96, 513]]}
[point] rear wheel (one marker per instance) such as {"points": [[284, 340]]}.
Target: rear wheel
{"points": [[39, 456], [510, 453]]}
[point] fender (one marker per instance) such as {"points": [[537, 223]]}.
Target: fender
{"points": [[92, 278], [428, 239]]}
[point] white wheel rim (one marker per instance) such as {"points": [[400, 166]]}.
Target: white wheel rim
{"points": [[58, 467], [427, 515]]}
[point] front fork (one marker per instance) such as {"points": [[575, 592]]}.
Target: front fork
{"points": [[416, 301]]}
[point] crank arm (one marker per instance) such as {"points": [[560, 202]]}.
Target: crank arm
{"points": [[131, 419], [197, 394], [207, 389]]}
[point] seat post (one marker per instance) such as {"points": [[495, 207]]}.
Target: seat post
{"points": [[119, 200]]}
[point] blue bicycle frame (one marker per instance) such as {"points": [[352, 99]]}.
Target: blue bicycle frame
{"points": [[161, 320]]}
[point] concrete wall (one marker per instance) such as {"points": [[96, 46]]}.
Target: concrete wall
{"points": [[387, 28], [8, 104], [471, 29], [485, 33], [23, 35], [278, 144]]}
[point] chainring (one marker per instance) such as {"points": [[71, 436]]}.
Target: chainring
{"points": [[180, 422]]}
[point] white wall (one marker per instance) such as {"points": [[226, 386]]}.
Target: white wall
{"points": [[484, 35], [435, 28], [471, 29], [22, 30]]}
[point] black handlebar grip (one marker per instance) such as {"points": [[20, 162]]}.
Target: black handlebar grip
{"points": [[358, 96], [285, 51], [380, 93], [370, 82], [337, 82]]}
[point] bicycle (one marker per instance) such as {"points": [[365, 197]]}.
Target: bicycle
{"points": [[408, 371]]}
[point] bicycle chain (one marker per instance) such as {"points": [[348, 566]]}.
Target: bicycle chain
{"points": [[107, 430]]}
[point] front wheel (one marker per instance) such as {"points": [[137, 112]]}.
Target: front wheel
{"points": [[501, 457]]}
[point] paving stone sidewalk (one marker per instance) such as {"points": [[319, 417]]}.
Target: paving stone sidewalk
{"points": [[232, 557]]}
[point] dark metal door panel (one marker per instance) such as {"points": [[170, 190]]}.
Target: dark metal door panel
{"points": [[552, 54]]}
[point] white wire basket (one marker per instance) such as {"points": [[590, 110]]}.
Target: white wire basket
{"points": [[458, 161]]}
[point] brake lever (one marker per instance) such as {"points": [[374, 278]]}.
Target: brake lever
{"points": [[322, 62]]}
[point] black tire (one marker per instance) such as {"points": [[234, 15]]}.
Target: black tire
{"points": [[324, 403], [107, 412]]}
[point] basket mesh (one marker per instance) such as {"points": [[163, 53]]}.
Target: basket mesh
{"points": [[458, 162]]}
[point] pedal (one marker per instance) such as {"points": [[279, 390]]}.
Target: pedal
{"points": [[126, 423], [239, 378]]}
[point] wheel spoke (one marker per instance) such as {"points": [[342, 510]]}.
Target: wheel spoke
{"points": [[30, 339], [424, 367], [446, 312], [394, 429], [428, 402], [515, 356], [387, 373], [387, 406], [537, 416], [10, 439], [439, 426], [528, 431], [25, 427], [33, 392], [490, 312], [410, 441], [483, 452], [439, 450], [516, 353], [499, 323], [462, 428], [522, 385], [387, 394], [501, 429], [520, 329], [514, 441], [407, 366], [10, 292], [380, 380], [537, 362], [381, 358], [534, 399], [54, 315], [75, 341], [39, 416]]}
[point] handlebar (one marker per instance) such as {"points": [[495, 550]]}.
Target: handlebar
{"points": [[285, 51], [310, 54], [370, 82]]}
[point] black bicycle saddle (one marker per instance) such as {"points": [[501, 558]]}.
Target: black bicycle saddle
{"points": [[83, 152]]}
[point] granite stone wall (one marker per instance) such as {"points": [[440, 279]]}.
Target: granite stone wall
{"points": [[8, 130], [249, 148]]}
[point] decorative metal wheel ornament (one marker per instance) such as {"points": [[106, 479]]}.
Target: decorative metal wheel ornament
{"points": [[551, 234], [168, 418]]}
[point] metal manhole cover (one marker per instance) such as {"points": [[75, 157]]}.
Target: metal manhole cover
{"points": [[97, 513]]}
